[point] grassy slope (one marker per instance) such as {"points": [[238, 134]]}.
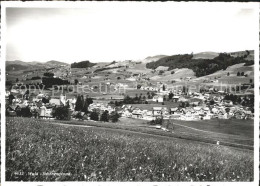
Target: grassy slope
{"points": [[92, 154]]}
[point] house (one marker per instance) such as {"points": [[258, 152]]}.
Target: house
{"points": [[126, 113], [55, 101], [173, 110], [157, 111], [137, 113], [176, 98], [198, 110]]}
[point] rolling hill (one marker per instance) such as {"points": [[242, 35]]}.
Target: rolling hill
{"points": [[21, 65], [201, 67]]}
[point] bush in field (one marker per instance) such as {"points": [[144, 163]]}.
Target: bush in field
{"points": [[114, 116], [25, 112], [94, 115], [104, 116], [61, 113]]}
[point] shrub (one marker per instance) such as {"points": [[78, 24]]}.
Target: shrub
{"points": [[94, 115], [114, 116], [61, 113], [104, 116]]}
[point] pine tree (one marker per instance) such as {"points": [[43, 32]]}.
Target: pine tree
{"points": [[79, 104]]}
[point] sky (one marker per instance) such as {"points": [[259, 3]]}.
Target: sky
{"points": [[108, 31]]}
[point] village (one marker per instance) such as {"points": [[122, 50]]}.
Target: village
{"points": [[183, 105]]}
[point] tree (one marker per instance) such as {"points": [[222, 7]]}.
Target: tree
{"points": [[170, 95], [163, 87], [45, 100], [94, 115], [251, 80], [238, 74], [114, 116], [61, 113], [79, 104], [242, 74], [76, 81], [87, 102], [104, 116], [118, 78], [10, 98], [228, 74], [212, 102], [17, 80]]}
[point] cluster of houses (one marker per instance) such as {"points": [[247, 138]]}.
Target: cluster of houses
{"points": [[198, 109], [39, 108], [188, 113]]}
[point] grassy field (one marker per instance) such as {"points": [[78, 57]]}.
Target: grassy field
{"points": [[243, 128], [97, 154]]}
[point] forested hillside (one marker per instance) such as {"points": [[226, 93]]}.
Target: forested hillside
{"points": [[82, 64], [201, 67]]}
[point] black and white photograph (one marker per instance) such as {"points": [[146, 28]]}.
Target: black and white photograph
{"points": [[130, 92]]}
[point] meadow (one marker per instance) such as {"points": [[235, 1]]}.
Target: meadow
{"points": [[71, 153]]}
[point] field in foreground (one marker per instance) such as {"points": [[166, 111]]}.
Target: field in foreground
{"points": [[34, 148]]}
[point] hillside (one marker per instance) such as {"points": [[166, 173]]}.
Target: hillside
{"points": [[21, 65], [55, 63], [153, 58], [201, 67]]}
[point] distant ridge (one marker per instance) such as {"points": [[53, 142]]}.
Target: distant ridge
{"points": [[205, 55], [21, 65]]}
